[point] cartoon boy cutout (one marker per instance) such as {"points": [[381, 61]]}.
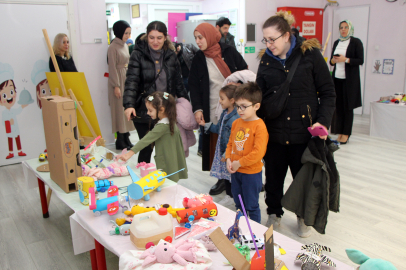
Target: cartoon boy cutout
{"points": [[8, 97], [39, 79]]}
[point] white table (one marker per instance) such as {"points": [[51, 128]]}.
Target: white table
{"points": [[98, 228], [388, 120]]}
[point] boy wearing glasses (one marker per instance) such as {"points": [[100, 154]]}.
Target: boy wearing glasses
{"points": [[246, 148]]}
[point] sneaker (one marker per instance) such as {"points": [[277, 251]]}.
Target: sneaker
{"points": [[226, 200], [199, 153], [263, 188], [21, 154], [303, 230], [273, 220], [10, 155]]}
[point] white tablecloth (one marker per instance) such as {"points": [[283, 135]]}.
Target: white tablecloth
{"points": [[388, 120], [85, 226]]}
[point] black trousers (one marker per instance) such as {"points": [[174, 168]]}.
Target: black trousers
{"points": [[277, 159], [343, 117], [142, 130]]}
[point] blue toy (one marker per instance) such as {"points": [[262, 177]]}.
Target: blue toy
{"points": [[111, 203], [103, 185], [140, 188], [367, 263], [234, 232]]}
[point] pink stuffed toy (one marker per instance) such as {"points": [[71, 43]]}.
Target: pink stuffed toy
{"points": [[115, 169], [198, 200], [180, 252]]}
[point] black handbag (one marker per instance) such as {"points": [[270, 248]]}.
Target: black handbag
{"points": [[274, 101], [140, 98]]}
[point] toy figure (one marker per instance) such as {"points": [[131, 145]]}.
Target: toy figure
{"points": [[123, 229], [8, 95], [313, 257], [234, 231], [180, 252], [367, 263]]}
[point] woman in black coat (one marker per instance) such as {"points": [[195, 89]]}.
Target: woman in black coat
{"points": [[288, 134], [210, 67], [153, 67], [346, 57]]}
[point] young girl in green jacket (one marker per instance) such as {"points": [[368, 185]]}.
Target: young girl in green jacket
{"points": [[169, 152]]}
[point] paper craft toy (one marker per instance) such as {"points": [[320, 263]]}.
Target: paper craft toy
{"points": [[234, 232], [110, 203], [180, 231], [203, 227], [313, 257], [203, 211]]}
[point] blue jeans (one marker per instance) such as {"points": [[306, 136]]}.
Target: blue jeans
{"points": [[249, 186]]}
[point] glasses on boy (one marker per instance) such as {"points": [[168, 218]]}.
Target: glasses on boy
{"points": [[242, 107]]}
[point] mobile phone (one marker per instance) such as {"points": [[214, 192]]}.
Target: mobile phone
{"points": [[336, 54], [318, 131]]}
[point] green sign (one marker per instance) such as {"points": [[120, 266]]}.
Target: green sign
{"points": [[249, 49], [108, 12]]}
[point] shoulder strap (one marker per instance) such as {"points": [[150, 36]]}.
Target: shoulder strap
{"points": [[293, 67]]}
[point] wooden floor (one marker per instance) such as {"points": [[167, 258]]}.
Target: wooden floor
{"points": [[372, 216]]}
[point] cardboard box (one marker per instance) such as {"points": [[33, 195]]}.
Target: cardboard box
{"points": [[61, 136]]}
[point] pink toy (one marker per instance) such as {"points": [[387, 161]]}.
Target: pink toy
{"points": [[113, 169], [180, 252], [198, 200], [146, 168]]}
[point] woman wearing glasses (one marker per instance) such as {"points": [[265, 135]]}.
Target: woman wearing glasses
{"points": [[210, 67], [346, 57], [288, 134]]}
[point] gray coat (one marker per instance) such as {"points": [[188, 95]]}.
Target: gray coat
{"points": [[316, 188], [229, 40]]}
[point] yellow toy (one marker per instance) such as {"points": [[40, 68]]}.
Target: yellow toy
{"points": [[171, 210], [84, 183], [139, 209]]}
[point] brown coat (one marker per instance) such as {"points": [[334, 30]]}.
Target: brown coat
{"points": [[118, 57]]}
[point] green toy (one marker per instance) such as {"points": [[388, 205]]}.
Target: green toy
{"points": [[367, 263]]}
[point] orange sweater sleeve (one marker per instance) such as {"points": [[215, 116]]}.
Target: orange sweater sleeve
{"points": [[259, 149]]}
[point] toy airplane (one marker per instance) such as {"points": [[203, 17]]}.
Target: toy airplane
{"points": [[140, 188], [110, 203]]}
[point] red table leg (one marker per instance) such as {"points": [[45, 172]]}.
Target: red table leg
{"points": [[100, 256], [43, 196], [93, 259]]}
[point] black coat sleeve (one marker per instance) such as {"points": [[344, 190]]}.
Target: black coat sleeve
{"points": [[180, 87], [196, 92], [358, 60], [132, 83], [325, 87], [239, 60], [332, 52], [60, 65]]}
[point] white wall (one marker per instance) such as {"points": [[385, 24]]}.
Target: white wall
{"points": [[387, 28], [114, 14], [258, 11], [139, 25]]}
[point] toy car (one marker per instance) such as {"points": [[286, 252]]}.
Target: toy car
{"points": [[42, 158], [247, 240]]}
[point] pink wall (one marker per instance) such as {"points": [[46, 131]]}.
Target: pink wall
{"points": [[173, 18], [387, 28]]}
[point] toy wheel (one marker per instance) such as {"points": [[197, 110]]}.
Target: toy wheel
{"points": [[97, 214], [168, 239], [149, 244], [158, 189]]}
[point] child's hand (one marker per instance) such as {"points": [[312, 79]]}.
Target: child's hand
{"points": [[235, 165], [223, 160], [127, 155], [229, 166]]}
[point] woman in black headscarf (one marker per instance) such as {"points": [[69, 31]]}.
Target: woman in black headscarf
{"points": [[118, 58]]}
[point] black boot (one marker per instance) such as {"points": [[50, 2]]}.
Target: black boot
{"points": [[120, 142], [218, 188], [127, 140]]}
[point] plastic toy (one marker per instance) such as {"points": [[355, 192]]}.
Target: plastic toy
{"points": [[204, 211], [103, 185], [138, 209], [313, 257], [42, 158], [247, 240], [244, 250], [367, 263], [140, 188], [198, 200], [234, 231], [111, 203], [84, 184], [180, 252], [123, 229], [151, 227], [146, 168], [121, 221]]}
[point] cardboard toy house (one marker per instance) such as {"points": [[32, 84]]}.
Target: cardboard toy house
{"points": [[61, 136]]}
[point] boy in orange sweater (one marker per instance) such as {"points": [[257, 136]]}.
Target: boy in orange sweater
{"points": [[246, 148]]}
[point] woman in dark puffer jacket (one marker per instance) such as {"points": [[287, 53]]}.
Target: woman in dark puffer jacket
{"points": [[153, 67]]}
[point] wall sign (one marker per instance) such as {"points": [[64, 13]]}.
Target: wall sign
{"points": [[388, 65], [309, 28], [249, 49]]}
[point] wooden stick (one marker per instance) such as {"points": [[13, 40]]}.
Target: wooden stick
{"points": [[325, 44], [51, 52], [49, 194], [72, 95]]}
